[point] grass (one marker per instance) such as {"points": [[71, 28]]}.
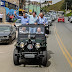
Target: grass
{"points": [[55, 7]]}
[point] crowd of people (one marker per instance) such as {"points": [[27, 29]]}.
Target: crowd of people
{"points": [[10, 18], [32, 19]]}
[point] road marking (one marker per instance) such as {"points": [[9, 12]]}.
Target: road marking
{"points": [[62, 48], [63, 44]]}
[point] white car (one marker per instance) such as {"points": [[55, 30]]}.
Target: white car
{"points": [[70, 20]]}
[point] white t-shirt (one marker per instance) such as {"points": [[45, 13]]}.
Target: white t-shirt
{"points": [[1, 15]]}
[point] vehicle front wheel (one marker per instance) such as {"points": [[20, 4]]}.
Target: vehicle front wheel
{"points": [[45, 59], [15, 58]]}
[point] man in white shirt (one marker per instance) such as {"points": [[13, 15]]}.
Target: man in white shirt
{"points": [[1, 17]]}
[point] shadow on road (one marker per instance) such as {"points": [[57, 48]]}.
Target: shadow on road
{"points": [[35, 66]]}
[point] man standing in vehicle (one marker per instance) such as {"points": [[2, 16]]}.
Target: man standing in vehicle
{"points": [[24, 18], [32, 18], [41, 19]]}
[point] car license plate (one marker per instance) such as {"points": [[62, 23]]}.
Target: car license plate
{"points": [[29, 56], [60, 20]]}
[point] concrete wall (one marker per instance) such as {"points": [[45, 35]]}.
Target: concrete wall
{"points": [[2, 10]]}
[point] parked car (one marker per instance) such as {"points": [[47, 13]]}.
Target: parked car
{"points": [[61, 19], [7, 33], [70, 20], [31, 48]]}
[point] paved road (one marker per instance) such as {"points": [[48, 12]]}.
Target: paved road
{"points": [[59, 48]]}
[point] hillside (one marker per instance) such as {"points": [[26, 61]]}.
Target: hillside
{"points": [[57, 6]]}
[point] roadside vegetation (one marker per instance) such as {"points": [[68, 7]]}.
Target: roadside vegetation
{"points": [[60, 6], [56, 7]]}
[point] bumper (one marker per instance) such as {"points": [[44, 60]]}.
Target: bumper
{"points": [[29, 55], [60, 20], [4, 40]]}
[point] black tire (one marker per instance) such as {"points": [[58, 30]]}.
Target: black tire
{"points": [[45, 59], [10, 40], [15, 58]]}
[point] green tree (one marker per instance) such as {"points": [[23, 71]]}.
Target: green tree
{"points": [[69, 3]]}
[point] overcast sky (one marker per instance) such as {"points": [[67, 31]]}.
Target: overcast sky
{"points": [[54, 1]]}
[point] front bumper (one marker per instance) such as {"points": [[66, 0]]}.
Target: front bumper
{"points": [[29, 55], [61, 20], [4, 40]]}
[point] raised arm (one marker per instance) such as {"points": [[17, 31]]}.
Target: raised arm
{"points": [[27, 15], [19, 17]]}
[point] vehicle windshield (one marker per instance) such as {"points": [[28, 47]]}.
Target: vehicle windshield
{"points": [[31, 30], [4, 29], [18, 21], [61, 17]]}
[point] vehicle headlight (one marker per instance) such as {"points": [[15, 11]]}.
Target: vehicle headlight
{"points": [[37, 45], [21, 44]]}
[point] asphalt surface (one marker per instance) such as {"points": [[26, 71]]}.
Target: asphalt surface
{"points": [[59, 45]]}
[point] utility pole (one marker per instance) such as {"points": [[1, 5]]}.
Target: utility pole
{"points": [[40, 4], [66, 6]]}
